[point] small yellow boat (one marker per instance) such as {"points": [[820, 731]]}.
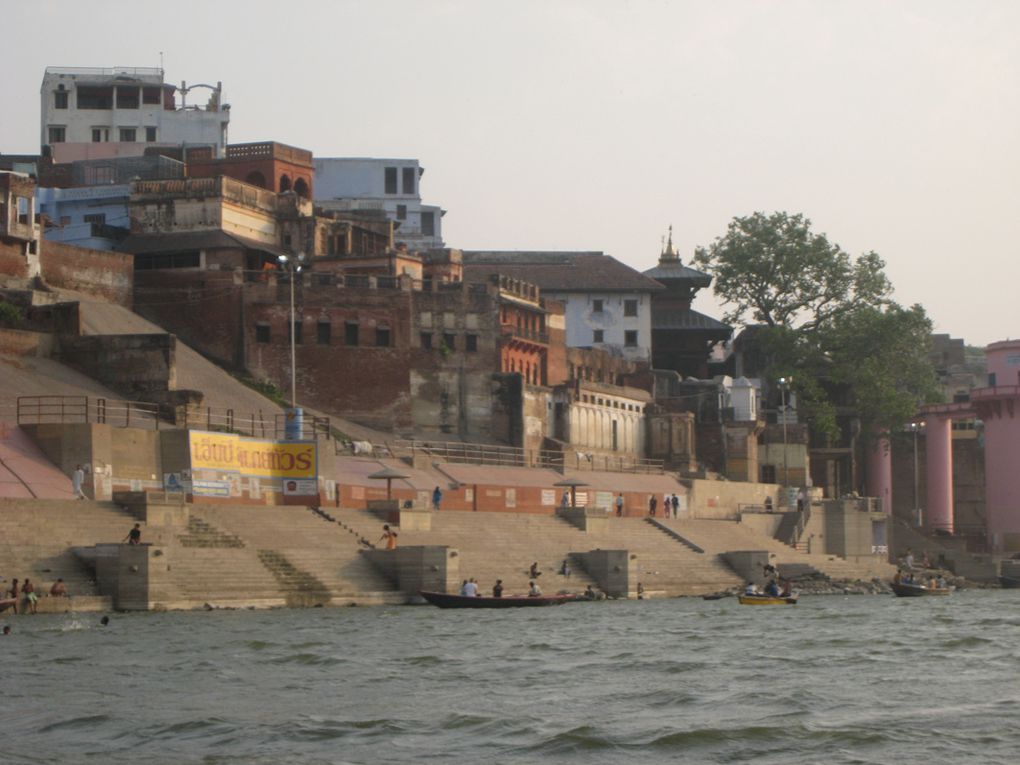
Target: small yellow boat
{"points": [[767, 600]]}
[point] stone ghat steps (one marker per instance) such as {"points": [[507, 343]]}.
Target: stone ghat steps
{"points": [[503, 546], [732, 535], [298, 551], [38, 537]]}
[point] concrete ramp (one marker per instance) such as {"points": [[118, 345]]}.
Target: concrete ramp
{"points": [[25, 472]]}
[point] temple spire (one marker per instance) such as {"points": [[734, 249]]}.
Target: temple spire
{"points": [[668, 253]]}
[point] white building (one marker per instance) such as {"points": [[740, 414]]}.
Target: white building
{"points": [[92, 113], [608, 304], [387, 185]]}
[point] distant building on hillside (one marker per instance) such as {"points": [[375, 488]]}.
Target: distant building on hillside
{"points": [[608, 304], [389, 185], [94, 113], [19, 232]]}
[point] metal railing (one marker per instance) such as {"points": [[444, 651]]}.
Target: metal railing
{"points": [[39, 410], [512, 456]]}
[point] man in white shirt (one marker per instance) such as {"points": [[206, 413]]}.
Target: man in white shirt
{"points": [[470, 589]]}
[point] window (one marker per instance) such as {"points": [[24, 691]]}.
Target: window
{"points": [[351, 333], [127, 135], [768, 473], [299, 333], [428, 224], [401, 212], [150, 135], [407, 180], [60, 98], [382, 337], [426, 341], [390, 177], [100, 135], [598, 335], [630, 338], [95, 97], [471, 343], [94, 218], [151, 96], [630, 308], [596, 306], [262, 333], [57, 134], [450, 341], [128, 97], [323, 332]]}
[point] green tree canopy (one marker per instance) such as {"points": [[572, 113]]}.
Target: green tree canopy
{"points": [[773, 270], [824, 319]]}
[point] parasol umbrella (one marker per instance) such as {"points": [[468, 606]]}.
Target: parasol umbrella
{"points": [[388, 474], [572, 484]]}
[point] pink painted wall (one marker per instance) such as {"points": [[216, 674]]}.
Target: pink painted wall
{"points": [[1000, 412]]}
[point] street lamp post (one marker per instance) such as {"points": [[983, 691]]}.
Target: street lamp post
{"points": [[293, 265], [784, 383]]}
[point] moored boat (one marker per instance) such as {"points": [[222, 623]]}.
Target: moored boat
{"points": [[767, 600], [444, 600], [905, 590]]}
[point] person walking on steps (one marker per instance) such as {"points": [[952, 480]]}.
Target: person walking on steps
{"points": [[437, 498], [77, 481]]}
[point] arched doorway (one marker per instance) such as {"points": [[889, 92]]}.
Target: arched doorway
{"points": [[301, 188], [284, 183]]}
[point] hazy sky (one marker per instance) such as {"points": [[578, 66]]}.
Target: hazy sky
{"points": [[893, 126]]}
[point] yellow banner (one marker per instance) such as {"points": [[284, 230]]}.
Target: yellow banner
{"points": [[252, 456]]}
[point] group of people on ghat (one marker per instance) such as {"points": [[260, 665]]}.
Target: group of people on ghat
{"points": [[25, 595], [670, 506]]}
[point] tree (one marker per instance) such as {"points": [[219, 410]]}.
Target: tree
{"points": [[773, 270], [825, 320]]}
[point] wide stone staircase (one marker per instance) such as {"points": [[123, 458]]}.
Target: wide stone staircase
{"points": [[267, 556], [664, 564], [38, 539], [724, 536], [495, 546]]}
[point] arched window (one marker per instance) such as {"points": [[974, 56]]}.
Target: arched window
{"points": [[255, 178], [284, 183], [301, 188]]}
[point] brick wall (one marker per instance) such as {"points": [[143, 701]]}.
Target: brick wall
{"points": [[12, 259], [136, 366], [203, 308], [109, 275]]}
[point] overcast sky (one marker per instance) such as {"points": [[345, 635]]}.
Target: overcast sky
{"points": [[594, 125]]}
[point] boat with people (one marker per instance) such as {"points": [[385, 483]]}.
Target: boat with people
{"points": [[761, 599], [916, 590], [445, 600]]}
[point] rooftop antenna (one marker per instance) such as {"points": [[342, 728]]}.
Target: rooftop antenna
{"points": [[161, 62]]}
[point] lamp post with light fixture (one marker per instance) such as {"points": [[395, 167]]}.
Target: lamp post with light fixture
{"points": [[293, 264], [784, 384]]}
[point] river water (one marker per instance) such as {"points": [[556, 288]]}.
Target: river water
{"points": [[859, 679]]}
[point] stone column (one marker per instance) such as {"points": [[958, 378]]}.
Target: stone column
{"points": [[880, 472], [939, 462]]}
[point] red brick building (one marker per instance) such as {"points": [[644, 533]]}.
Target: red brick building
{"points": [[267, 164]]}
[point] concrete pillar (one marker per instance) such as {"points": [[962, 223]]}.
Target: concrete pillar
{"points": [[880, 472], [939, 462]]}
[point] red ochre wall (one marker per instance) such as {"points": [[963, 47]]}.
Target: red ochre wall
{"points": [[109, 275]]}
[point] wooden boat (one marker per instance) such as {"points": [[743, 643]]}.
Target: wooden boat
{"points": [[767, 600], [904, 590], [444, 600]]}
